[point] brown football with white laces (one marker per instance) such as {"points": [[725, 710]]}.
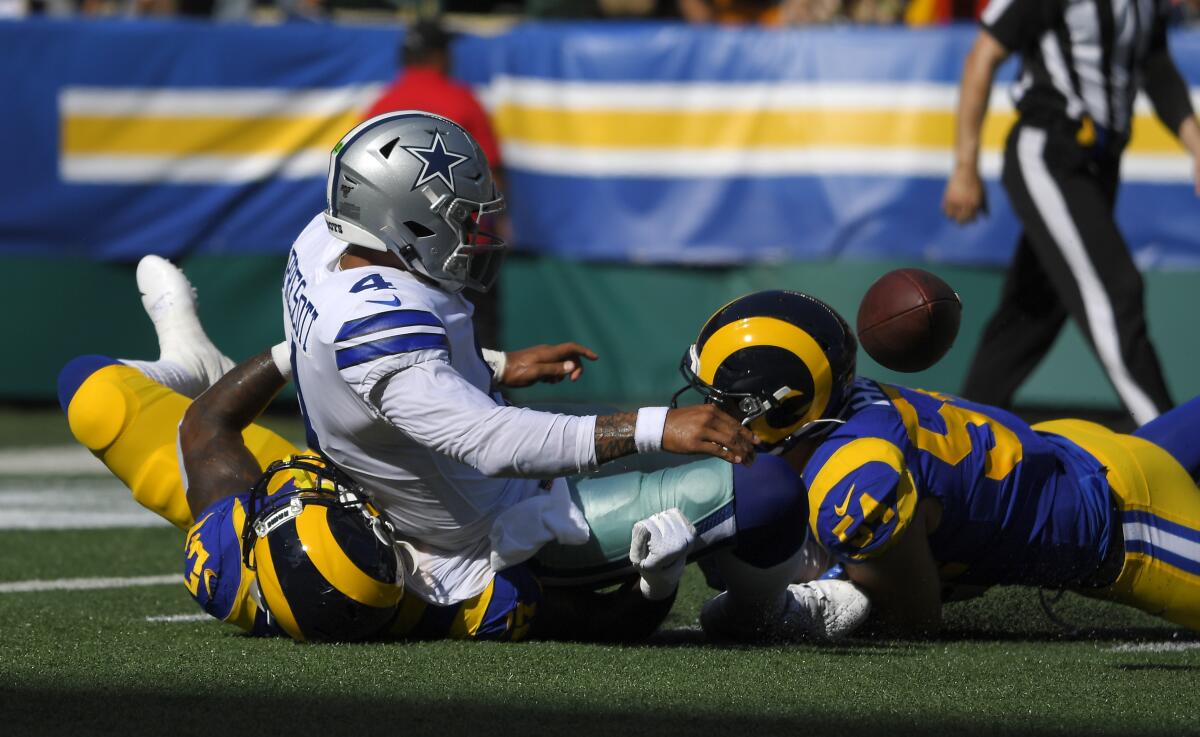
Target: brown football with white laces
{"points": [[908, 319]]}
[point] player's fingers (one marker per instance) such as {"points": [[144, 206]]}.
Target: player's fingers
{"points": [[575, 349], [734, 444], [720, 451]]}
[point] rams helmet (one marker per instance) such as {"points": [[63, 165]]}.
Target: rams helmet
{"points": [[418, 185], [326, 563], [781, 362]]}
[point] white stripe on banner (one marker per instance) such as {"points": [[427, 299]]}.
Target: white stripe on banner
{"points": [[705, 96], [88, 584], [168, 102], [667, 163], [1047, 198], [640, 162], [199, 169], [1162, 539]]}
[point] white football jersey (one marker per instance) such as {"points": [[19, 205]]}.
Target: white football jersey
{"points": [[394, 391]]}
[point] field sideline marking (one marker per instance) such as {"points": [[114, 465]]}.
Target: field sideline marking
{"points": [[70, 504], [50, 460], [87, 584], [198, 617], [1154, 647]]}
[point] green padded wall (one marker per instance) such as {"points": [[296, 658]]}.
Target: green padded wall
{"points": [[639, 318]]}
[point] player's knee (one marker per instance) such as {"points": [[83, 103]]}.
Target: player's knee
{"points": [[771, 507], [96, 411], [75, 373]]}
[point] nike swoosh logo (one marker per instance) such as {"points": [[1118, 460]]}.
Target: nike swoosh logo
{"points": [[393, 302], [840, 509]]}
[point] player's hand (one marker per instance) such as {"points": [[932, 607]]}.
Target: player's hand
{"points": [[548, 363], [964, 198], [1196, 173], [658, 550], [705, 430]]}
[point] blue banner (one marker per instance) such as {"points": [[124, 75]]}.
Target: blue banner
{"points": [[630, 142]]}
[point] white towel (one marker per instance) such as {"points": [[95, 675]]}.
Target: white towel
{"points": [[522, 529]]}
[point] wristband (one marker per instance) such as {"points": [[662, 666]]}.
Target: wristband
{"points": [[281, 354], [497, 361], [648, 431]]}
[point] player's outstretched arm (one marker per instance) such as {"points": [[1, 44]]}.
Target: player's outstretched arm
{"points": [[903, 584], [964, 197], [214, 455], [702, 429], [545, 363]]}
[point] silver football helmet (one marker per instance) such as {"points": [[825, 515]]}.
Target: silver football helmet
{"points": [[418, 185]]}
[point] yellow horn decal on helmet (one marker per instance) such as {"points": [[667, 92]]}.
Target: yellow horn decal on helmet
{"points": [[272, 594], [753, 332], [332, 563]]}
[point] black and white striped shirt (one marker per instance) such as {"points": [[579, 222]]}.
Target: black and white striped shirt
{"points": [[1088, 58]]}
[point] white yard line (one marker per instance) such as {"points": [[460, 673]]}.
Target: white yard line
{"points": [[198, 617], [87, 584], [50, 460], [71, 504], [1154, 647]]}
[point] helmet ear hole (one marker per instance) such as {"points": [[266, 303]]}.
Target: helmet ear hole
{"points": [[417, 229], [788, 411]]}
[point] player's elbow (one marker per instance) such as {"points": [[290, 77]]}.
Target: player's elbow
{"points": [[985, 56]]}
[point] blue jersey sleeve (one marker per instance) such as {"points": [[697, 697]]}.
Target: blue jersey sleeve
{"points": [[213, 570], [861, 497]]}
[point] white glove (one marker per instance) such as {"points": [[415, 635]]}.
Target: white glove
{"points": [[659, 550]]}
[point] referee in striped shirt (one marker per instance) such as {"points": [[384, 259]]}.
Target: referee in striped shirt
{"points": [[1082, 64]]}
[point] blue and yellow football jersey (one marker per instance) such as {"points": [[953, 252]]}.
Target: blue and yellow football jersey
{"points": [[214, 572], [1018, 506]]}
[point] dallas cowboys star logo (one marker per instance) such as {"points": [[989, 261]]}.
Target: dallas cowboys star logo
{"points": [[437, 162]]}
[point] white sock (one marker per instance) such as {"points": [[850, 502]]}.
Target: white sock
{"points": [[171, 375], [756, 592], [189, 359]]}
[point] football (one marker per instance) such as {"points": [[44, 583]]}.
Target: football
{"points": [[908, 319]]}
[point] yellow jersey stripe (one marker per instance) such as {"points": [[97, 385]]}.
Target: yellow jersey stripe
{"points": [[470, 615]]}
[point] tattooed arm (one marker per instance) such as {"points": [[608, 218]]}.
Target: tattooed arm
{"points": [[699, 430]]}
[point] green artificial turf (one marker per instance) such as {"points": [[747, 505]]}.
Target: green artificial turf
{"points": [[90, 663]]}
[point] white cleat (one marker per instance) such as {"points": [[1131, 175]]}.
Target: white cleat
{"points": [[170, 301], [820, 611], [828, 609]]}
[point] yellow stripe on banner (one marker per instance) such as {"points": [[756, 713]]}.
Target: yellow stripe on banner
{"points": [[333, 564], [131, 134], [734, 129], [749, 129], [469, 616]]}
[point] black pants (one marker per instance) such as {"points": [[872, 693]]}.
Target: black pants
{"points": [[1071, 261]]}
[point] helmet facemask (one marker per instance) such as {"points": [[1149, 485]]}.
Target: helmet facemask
{"points": [[475, 262], [342, 505]]}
